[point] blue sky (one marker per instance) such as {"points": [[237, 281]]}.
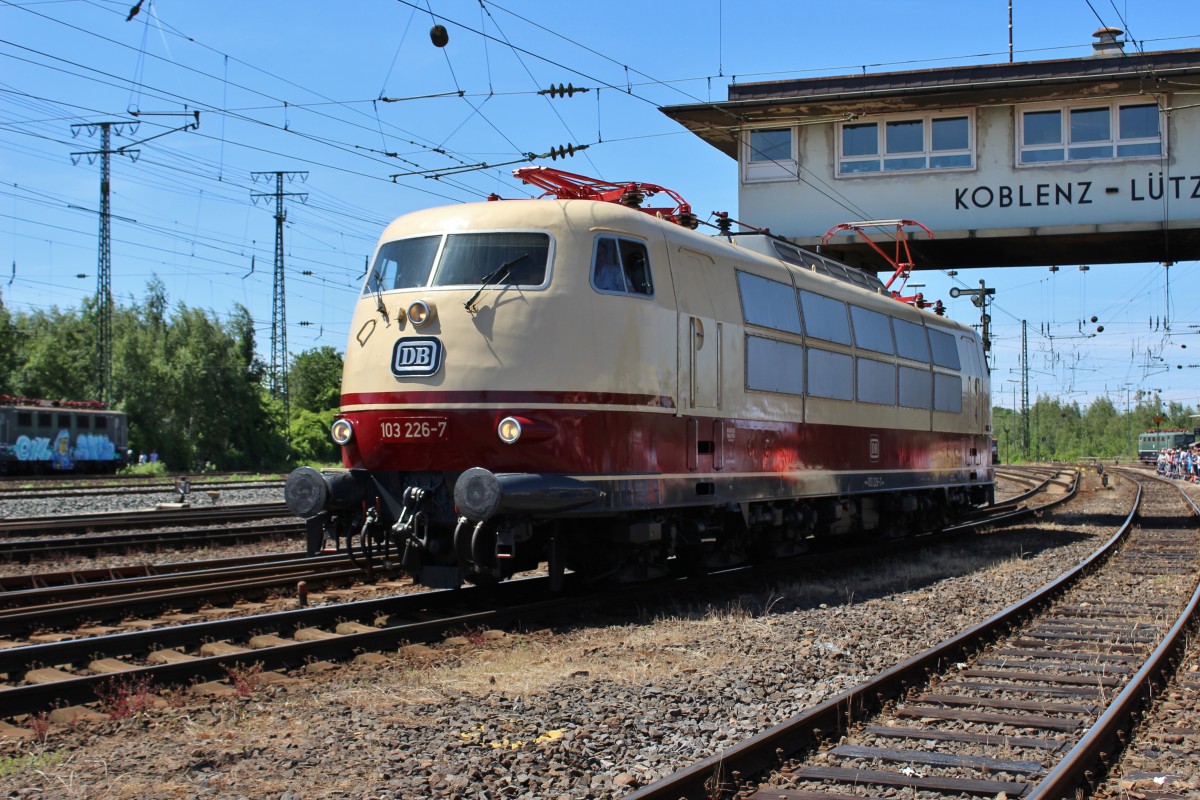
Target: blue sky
{"points": [[354, 93]]}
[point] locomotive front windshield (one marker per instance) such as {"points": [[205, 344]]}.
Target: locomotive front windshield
{"points": [[460, 259]]}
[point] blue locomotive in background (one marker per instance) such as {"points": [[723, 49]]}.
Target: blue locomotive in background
{"points": [[46, 436]]}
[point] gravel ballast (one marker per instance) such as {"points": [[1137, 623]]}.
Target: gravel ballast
{"points": [[589, 711]]}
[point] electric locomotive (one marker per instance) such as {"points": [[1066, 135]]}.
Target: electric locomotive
{"points": [[579, 383], [39, 436]]}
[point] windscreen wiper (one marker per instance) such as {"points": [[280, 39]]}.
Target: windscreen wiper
{"points": [[377, 279], [495, 276]]}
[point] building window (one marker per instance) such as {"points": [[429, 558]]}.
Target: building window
{"points": [[773, 145], [770, 155], [905, 145], [1090, 133]]}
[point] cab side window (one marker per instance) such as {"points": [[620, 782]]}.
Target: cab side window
{"points": [[621, 266]]}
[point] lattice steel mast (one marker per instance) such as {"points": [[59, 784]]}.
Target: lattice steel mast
{"points": [[278, 369], [1024, 389], [104, 302]]}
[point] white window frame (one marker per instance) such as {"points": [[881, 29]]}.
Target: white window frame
{"points": [[1114, 140], [927, 152], [769, 169]]}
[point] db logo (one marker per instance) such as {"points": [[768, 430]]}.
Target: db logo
{"points": [[874, 447], [416, 356]]}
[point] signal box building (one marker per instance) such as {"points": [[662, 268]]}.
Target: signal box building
{"points": [[1073, 161]]}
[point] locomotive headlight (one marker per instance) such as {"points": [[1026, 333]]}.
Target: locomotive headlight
{"points": [[342, 431], [421, 313], [509, 430]]}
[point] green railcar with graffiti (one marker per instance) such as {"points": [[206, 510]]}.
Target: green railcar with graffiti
{"points": [[47, 436]]}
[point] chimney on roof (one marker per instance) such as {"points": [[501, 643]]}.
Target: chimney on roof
{"points": [[1108, 43]]}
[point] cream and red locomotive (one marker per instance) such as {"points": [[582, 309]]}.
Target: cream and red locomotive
{"points": [[579, 383]]}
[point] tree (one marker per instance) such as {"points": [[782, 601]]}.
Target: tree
{"points": [[193, 386], [9, 346], [310, 439], [1065, 432], [315, 379], [57, 358]]}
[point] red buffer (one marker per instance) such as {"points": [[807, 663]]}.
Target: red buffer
{"points": [[570, 186]]}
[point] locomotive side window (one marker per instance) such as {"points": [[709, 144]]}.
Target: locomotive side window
{"points": [[64, 420], [916, 388], [789, 254], [101, 423], [25, 419], [876, 382], [471, 259], [621, 266], [768, 303], [825, 318], [872, 331], [83, 421], [947, 393], [830, 374], [774, 366], [911, 341], [403, 264], [945, 349], [45, 419], [833, 270]]}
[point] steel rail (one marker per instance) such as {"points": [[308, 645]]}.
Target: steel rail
{"points": [[1086, 760], [45, 580], [149, 518], [517, 598], [204, 571], [26, 549], [36, 697], [57, 616], [834, 716], [200, 588], [125, 482]]}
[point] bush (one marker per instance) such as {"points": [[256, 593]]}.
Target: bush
{"points": [[310, 437], [147, 470]]}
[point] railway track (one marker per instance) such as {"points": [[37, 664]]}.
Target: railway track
{"points": [[25, 550], [13, 486], [1026, 704], [75, 577], [146, 518], [181, 594], [207, 650]]}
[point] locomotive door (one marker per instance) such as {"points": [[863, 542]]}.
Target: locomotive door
{"points": [[699, 333]]}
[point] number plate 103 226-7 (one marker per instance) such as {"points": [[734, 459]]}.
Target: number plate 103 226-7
{"points": [[415, 429]]}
